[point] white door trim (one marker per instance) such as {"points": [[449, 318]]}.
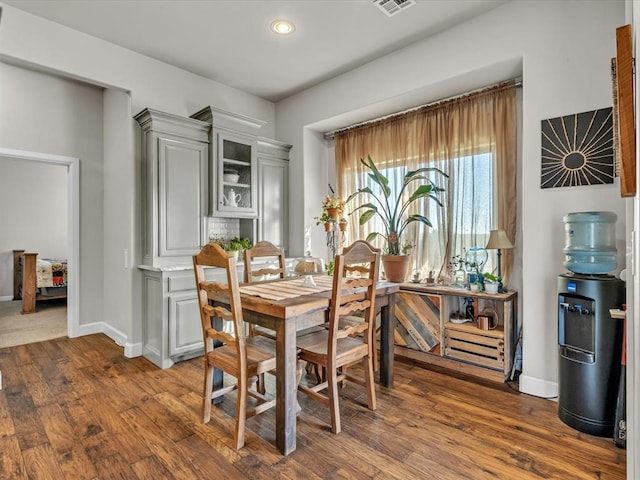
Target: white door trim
{"points": [[73, 227]]}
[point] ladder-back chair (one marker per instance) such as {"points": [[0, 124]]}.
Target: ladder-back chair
{"points": [[345, 343], [263, 249], [235, 354]]}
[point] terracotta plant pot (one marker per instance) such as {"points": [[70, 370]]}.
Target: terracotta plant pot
{"points": [[333, 213], [343, 227], [328, 226], [395, 267]]}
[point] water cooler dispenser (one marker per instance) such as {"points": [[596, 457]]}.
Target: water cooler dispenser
{"points": [[589, 340]]}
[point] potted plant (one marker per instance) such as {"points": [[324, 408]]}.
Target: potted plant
{"points": [[476, 285], [325, 219], [333, 206], [491, 282], [393, 211], [430, 277], [236, 245], [343, 224]]}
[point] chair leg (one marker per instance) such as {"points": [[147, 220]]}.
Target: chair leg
{"points": [[374, 347], [241, 413], [369, 382], [260, 386], [207, 392], [299, 370], [309, 368], [334, 406]]}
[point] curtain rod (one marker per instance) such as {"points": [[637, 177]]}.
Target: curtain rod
{"points": [[517, 82]]}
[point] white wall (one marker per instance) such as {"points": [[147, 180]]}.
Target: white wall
{"points": [[49, 114], [562, 49], [34, 213]]}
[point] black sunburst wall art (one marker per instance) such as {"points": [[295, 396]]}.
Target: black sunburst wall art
{"points": [[578, 149]]}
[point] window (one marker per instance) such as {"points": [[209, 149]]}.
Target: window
{"points": [[471, 210], [473, 139]]}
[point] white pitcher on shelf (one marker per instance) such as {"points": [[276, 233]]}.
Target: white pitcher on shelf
{"points": [[232, 200]]}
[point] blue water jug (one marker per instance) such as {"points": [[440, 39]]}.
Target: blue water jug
{"points": [[590, 242]]}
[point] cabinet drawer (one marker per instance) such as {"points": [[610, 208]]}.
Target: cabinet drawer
{"points": [[182, 282], [483, 350]]}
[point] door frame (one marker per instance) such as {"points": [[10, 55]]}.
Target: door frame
{"points": [[73, 225]]}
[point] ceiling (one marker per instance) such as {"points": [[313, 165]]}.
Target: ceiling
{"points": [[230, 41]]}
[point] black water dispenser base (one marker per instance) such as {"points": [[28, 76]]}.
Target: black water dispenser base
{"points": [[589, 347]]}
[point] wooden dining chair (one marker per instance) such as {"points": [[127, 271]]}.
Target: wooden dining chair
{"points": [[241, 357], [345, 343], [263, 249]]}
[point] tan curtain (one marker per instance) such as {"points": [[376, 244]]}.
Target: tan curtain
{"points": [[451, 136]]}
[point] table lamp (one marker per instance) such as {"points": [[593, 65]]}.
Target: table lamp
{"points": [[497, 241]]}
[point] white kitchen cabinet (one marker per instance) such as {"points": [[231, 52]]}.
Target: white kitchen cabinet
{"points": [[233, 165], [273, 192], [175, 189], [171, 327]]}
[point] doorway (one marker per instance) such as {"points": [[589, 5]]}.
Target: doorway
{"points": [[70, 195]]}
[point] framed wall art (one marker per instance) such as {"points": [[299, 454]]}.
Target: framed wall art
{"points": [[578, 149]]}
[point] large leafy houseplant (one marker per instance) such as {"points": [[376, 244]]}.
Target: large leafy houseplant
{"points": [[392, 206]]}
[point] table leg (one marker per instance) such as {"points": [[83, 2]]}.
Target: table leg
{"points": [[286, 386], [387, 328]]}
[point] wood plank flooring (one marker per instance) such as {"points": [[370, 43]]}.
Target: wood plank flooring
{"points": [[78, 409]]}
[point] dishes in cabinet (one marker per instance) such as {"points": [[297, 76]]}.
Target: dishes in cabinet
{"points": [[230, 176]]}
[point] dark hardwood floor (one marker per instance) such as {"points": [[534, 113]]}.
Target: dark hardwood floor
{"points": [[78, 409]]}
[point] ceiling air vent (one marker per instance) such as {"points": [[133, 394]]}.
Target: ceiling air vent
{"points": [[391, 7]]}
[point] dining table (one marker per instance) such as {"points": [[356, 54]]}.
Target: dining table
{"points": [[289, 305]]}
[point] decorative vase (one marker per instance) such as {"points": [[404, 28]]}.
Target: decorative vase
{"points": [[460, 278], [395, 267]]}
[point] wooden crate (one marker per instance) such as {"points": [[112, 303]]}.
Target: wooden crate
{"points": [[468, 343]]}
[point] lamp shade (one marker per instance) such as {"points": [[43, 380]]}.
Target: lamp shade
{"points": [[498, 240]]}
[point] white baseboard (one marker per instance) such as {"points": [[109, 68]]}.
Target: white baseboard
{"points": [[6, 299], [89, 329], [130, 349], [538, 387]]}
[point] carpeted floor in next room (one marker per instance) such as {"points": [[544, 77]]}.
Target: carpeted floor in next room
{"points": [[48, 322]]}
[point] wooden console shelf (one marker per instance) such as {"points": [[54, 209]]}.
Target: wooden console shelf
{"points": [[424, 331]]}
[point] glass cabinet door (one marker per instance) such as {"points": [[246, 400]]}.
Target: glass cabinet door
{"points": [[236, 176]]}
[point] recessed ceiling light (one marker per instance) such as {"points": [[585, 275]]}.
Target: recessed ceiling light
{"points": [[282, 27]]}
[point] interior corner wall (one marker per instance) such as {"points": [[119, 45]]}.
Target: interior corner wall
{"points": [[52, 115], [121, 317], [562, 49]]}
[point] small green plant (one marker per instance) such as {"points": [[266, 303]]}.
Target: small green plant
{"points": [[324, 218], [490, 277], [330, 267], [234, 244], [406, 248]]}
